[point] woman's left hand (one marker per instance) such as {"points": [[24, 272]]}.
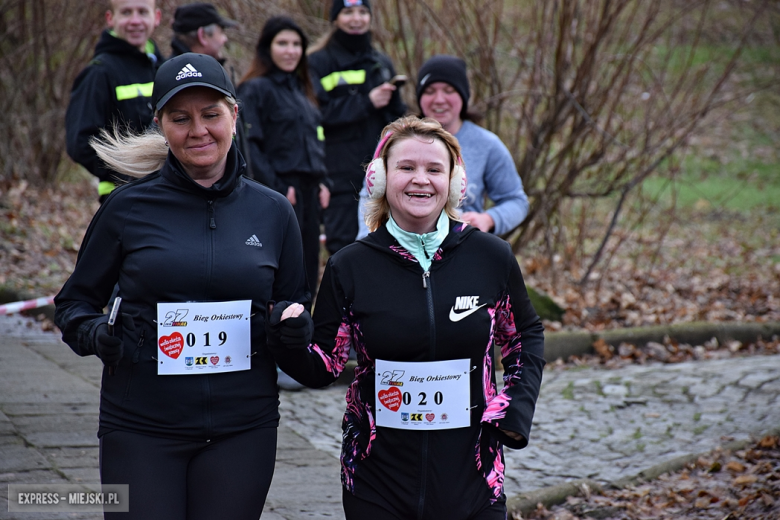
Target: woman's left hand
{"points": [[291, 195], [513, 435], [482, 221]]}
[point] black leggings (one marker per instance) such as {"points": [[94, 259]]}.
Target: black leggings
{"points": [[358, 509], [181, 480]]}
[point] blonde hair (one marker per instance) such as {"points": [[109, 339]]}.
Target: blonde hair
{"points": [[136, 155], [408, 127]]}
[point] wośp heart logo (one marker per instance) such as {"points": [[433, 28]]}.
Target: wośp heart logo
{"points": [[172, 345], [390, 398]]}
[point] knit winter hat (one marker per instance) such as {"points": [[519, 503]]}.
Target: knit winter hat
{"points": [[338, 5], [448, 69]]}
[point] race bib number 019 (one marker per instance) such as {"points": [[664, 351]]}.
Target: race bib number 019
{"points": [[203, 338], [423, 396]]}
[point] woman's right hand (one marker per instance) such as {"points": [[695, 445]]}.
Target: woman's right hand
{"points": [[380, 96], [291, 195], [291, 323]]}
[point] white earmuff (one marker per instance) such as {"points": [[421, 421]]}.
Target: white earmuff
{"points": [[457, 184], [376, 175], [376, 179]]}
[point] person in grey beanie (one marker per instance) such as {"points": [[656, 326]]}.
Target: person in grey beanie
{"points": [[443, 94]]}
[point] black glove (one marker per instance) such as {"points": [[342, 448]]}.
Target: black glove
{"points": [[109, 347], [293, 333]]}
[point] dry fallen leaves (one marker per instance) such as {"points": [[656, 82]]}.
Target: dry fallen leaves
{"points": [[748, 488]]}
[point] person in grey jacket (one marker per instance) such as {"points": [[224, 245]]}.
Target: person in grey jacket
{"points": [[443, 93]]}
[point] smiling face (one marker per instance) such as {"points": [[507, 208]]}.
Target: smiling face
{"points": [[354, 20], [199, 126], [440, 101], [286, 50], [418, 180], [133, 20]]}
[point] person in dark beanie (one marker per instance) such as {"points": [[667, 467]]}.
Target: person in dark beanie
{"points": [[200, 28], [357, 100], [115, 87], [443, 94]]}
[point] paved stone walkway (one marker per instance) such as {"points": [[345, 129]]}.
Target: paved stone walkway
{"points": [[590, 423], [606, 424]]}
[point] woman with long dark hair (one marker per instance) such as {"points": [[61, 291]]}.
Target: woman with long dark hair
{"points": [[282, 124]]}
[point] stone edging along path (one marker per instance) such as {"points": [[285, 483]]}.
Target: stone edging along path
{"points": [[564, 344]]}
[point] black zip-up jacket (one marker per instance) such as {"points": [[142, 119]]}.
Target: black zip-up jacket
{"points": [[376, 298], [165, 238], [342, 80], [282, 128], [114, 89]]}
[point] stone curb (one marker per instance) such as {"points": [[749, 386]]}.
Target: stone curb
{"points": [[525, 503], [565, 344]]}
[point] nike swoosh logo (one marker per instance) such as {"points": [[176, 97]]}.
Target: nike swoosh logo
{"points": [[455, 316]]}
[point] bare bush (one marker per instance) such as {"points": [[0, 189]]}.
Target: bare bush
{"points": [[591, 96]]}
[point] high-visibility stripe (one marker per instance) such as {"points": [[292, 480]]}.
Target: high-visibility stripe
{"points": [[320, 133], [105, 187], [343, 77], [135, 90]]}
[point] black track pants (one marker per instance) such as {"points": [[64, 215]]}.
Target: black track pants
{"points": [[357, 509], [180, 480]]}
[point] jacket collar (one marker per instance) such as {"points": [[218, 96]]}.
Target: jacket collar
{"points": [[281, 77], [110, 44], [235, 165], [383, 241]]}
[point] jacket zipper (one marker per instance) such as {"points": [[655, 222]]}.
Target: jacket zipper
{"points": [[209, 271], [427, 285]]}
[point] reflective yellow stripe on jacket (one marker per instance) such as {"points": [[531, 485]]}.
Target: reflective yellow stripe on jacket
{"points": [[133, 91], [343, 77], [320, 133], [105, 187]]}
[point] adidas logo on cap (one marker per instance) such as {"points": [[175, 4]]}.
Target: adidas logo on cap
{"points": [[188, 72]]}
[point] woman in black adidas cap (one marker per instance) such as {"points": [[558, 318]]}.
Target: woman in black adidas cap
{"points": [[189, 403]]}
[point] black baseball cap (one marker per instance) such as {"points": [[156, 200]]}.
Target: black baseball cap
{"points": [[189, 70], [190, 17]]}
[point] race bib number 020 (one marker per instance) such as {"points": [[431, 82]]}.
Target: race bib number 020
{"points": [[203, 338], [423, 396]]}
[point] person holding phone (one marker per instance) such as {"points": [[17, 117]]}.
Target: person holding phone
{"points": [[357, 99], [424, 300]]}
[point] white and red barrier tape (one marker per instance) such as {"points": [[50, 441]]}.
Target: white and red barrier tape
{"points": [[10, 308]]}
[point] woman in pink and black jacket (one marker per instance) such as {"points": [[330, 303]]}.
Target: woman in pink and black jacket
{"points": [[424, 300]]}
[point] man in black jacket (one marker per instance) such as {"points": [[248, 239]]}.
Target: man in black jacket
{"points": [[200, 28], [114, 90]]}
